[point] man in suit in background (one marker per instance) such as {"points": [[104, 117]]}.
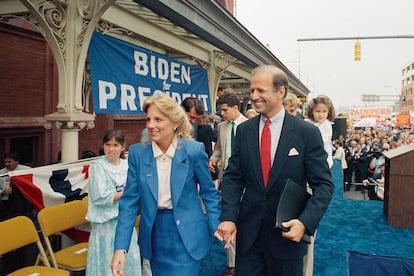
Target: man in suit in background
{"points": [[220, 92], [230, 111], [194, 109], [229, 105], [290, 148]]}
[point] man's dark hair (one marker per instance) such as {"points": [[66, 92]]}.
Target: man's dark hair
{"points": [[230, 99], [191, 102], [12, 155]]}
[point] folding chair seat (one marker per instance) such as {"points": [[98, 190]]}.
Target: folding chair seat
{"points": [[55, 219], [18, 232]]}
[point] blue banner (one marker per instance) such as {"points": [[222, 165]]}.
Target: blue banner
{"points": [[123, 75]]}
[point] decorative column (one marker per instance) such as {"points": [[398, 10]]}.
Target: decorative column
{"points": [[218, 65], [70, 132], [68, 26]]}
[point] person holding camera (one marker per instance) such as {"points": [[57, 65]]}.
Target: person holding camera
{"points": [[377, 159]]}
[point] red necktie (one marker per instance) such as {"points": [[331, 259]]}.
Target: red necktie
{"points": [[265, 145]]}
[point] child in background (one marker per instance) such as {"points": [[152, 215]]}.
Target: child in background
{"points": [[107, 178], [321, 113]]}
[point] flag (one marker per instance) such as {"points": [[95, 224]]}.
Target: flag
{"points": [[55, 184]]}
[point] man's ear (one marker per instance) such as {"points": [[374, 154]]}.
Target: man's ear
{"points": [[282, 91]]}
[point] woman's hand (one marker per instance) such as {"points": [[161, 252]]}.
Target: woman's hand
{"points": [[117, 263]]}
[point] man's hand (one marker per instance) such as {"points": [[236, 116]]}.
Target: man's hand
{"points": [[212, 166], [228, 232], [7, 191], [117, 263], [296, 230]]}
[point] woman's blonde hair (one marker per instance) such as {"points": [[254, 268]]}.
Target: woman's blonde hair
{"points": [[172, 110], [291, 99]]}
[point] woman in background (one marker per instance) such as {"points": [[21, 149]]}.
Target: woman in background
{"points": [[107, 178], [341, 157]]}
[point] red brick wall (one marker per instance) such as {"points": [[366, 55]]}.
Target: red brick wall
{"points": [[29, 88], [228, 4], [27, 91], [22, 74], [92, 139]]}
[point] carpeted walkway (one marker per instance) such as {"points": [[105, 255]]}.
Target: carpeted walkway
{"points": [[356, 225], [348, 225]]}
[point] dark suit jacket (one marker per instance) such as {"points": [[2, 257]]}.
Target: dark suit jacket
{"points": [[206, 135], [301, 157]]}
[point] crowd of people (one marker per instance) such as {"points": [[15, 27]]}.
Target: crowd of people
{"points": [[227, 186], [361, 153]]}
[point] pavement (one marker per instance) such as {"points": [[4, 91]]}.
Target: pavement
{"points": [[352, 194]]}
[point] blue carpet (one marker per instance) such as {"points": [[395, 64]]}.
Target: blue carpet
{"points": [[215, 262], [356, 225], [348, 225]]}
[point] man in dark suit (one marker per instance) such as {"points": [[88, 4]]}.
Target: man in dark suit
{"points": [[194, 109], [249, 200]]}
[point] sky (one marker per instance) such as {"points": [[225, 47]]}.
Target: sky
{"points": [[328, 67]]}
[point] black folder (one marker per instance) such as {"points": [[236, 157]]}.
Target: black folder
{"points": [[291, 204]]}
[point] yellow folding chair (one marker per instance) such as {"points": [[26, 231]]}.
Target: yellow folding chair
{"points": [[18, 232], [55, 219]]}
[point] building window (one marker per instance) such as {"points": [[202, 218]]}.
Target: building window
{"points": [[25, 146]]}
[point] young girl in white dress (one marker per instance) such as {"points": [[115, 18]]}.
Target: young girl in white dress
{"points": [[321, 113], [107, 178]]}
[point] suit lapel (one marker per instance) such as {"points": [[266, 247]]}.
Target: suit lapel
{"points": [[224, 137], [179, 171], [253, 148], [282, 151], [150, 172]]}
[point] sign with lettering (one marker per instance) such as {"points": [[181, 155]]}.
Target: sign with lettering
{"points": [[370, 112], [123, 75], [403, 119]]}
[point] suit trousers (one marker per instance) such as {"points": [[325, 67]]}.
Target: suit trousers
{"points": [[258, 261], [231, 255]]}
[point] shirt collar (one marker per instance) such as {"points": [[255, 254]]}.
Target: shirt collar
{"points": [[170, 151], [275, 119], [237, 121]]}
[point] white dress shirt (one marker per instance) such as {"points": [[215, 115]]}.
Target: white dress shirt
{"points": [[164, 162]]}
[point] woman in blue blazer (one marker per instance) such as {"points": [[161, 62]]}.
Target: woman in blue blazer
{"points": [[168, 174]]}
